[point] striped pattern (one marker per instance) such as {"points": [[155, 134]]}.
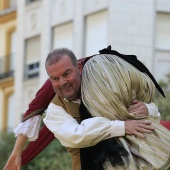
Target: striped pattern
{"points": [[109, 84]]}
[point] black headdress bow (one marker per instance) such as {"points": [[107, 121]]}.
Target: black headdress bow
{"points": [[132, 59]]}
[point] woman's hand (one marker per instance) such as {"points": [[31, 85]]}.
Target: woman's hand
{"points": [[138, 109]]}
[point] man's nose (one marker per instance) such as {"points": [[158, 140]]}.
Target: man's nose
{"points": [[62, 81]]}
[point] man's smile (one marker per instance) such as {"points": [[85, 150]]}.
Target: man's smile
{"points": [[66, 88]]}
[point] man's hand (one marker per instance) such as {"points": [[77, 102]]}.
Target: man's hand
{"points": [[14, 163], [138, 109], [138, 127]]}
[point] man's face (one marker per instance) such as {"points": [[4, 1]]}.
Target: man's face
{"points": [[65, 78]]}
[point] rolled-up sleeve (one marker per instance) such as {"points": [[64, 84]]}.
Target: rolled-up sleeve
{"points": [[89, 132]]}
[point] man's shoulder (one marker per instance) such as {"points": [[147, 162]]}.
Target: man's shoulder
{"points": [[57, 101]]}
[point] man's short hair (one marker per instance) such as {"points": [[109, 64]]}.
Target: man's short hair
{"points": [[55, 55]]}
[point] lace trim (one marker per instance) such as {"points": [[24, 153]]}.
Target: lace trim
{"points": [[30, 128]]}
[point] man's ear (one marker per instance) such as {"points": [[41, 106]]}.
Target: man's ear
{"points": [[80, 67]]}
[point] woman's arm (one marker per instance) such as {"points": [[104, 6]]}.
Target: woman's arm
{"points": [[141, 109]]}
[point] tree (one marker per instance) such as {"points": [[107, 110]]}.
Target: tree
{"points": [[163, 103]]}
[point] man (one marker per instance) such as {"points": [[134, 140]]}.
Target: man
{"points": [[65, 76]]}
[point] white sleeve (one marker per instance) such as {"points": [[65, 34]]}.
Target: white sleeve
{"points": [[153, 110], [30, 128], [89, 132]]}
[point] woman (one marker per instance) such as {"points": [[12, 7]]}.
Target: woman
{"points": [[112, 84]]}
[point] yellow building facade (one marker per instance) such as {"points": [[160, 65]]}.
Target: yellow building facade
{"points": [[7, 60]]}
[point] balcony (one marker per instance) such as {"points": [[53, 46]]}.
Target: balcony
{"points": [[6, 67], [6, 74]]}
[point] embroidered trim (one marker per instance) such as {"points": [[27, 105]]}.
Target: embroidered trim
{"points": [[32, 114]]}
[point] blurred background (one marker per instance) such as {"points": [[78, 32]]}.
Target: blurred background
{"points": [[30, 29]]}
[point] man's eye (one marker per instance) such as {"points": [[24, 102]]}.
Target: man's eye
{"points": [[67, 74], [54, 79]]}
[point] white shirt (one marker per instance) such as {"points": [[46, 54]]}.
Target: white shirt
{"points": [[88, 127], [89, 132]]}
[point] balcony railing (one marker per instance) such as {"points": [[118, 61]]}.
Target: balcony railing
{"points": [[6, 69], [6, 74]]}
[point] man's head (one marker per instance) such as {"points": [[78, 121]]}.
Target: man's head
{"points": [[65, 73]]}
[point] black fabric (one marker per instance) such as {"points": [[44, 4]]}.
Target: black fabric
{"points": [[92, 158], [132, 59], [87, 159], [86, 154]]}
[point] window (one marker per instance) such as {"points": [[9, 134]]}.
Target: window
{"points": [[162, 31], [32, 70], [13, 47], [32, 57], [96, 32], [63, 36], [31, 1], [7, 62], [7, 4]]}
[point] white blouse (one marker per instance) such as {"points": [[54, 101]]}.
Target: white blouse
{"points": [[59, 120]]}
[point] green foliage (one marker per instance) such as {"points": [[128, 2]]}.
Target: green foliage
{"points": [[164, 103], [7, 141], [54, 157]]}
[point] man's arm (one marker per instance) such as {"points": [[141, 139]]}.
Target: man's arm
{"points": [[90, 131], [14, 161], [36, 107]]}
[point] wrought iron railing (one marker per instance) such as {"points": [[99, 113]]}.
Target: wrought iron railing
{"points": [[5, 69], [6, 74]]}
